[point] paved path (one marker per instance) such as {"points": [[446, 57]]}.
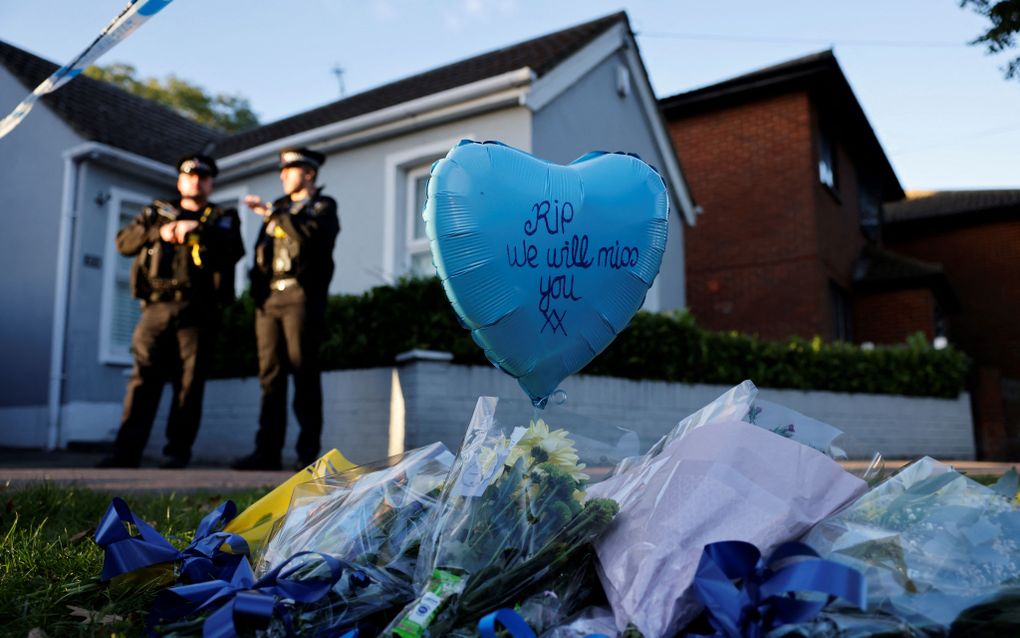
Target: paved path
{"points": [[67, 467], [19, 467], [145, 479]]}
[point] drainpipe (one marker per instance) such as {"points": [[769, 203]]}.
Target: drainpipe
{"points": [[72, 172]]}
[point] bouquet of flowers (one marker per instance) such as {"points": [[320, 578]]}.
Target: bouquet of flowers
{"points": [[714, 478], [513, 516], [938, 549], [254, 523], [564, 596], [371, 517]]}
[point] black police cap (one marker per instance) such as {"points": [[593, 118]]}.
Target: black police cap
{"points": [[198, 164], [301, 157]]}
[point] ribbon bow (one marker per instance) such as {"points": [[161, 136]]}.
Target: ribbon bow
{"points": [[762, 598], [247, 603], [202, 560], [509, 619], [512, 622]]}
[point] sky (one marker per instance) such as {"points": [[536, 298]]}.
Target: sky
{"points": [[942, 109]]}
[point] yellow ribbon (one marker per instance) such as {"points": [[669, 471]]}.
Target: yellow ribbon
{"points": [[196, 248]]}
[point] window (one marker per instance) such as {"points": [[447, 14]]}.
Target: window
{"points": [[419, 256], [870, 205], [842, 321], [827, 160], [119, 310], [405, 248]]}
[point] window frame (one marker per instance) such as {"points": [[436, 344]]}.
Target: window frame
{"points": [[827, 142], [396, 166], [108, 354], [414, 245]]}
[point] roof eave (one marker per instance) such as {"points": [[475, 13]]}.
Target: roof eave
{"points": [[807, 75], [509, 87]]}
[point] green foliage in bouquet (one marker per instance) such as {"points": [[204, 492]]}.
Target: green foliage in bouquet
{"points": [[504, 580], [997, 617], [529, 527], [565, 595], [369, 330]]}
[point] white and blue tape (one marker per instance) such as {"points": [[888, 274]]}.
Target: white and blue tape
{"points": [[134, 15]]}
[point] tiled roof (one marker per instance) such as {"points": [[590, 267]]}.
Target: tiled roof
{"points": [[948, 203], [878, 270], [784, 71], [103, 113], [539, 54], [877, 265]]}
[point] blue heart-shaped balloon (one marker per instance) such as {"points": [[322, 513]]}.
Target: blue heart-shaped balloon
{"points": [[544, 263]]}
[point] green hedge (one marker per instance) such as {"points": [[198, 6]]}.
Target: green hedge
{"points": [[369, 330]]}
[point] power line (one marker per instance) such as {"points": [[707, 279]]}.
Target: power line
{"points": [[813, 41], [957, 141]]}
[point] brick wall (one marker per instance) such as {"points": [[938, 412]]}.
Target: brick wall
{"points": [[772, 237], [982, 263], [890, 317], [837, 218]]}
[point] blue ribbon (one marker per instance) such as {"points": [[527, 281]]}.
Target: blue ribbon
{"points": [[246, 602], [203, 559], [511, 621], [763, 598], [124, 552]]}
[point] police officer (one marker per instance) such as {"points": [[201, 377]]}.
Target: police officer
{"points": [[185, 251], [289, 284]]}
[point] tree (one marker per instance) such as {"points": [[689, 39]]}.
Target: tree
{"points": [[225, 112], [1005, 18]]}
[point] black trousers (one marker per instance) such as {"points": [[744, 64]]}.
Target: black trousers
{"points": [[172, 341], [288, 328]]}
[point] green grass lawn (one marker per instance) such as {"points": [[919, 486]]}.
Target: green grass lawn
{"points": [[49, 565]]}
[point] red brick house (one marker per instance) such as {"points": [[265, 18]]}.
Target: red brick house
{"points": [[792, 178], [975, 236], [807, 231]]}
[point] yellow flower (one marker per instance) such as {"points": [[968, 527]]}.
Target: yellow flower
{"points": [[556, 446]]}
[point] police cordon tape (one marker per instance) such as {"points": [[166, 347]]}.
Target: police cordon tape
{"points": [[134, 15]]}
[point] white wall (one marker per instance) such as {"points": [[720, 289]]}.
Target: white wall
{"points": [[371, 413], [592, 116], [31, 186], [440, 398], [89, 379], [366, 182], [356, 409]]}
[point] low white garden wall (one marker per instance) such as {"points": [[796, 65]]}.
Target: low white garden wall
{"points": [[372, 413]]}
